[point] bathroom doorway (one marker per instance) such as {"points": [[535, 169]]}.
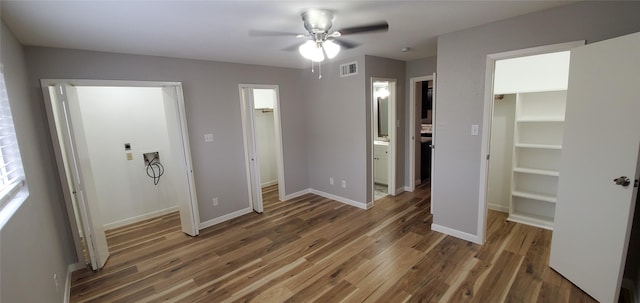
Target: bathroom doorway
{"points": [[383, 132]]}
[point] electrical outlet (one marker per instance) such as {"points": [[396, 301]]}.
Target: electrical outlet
{"points": [[330, 180], [344, 184], [215, 201], [208, 137], [55, 280]]}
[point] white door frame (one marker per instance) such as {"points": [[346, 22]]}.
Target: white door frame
{"points": [[393, 128], [249, 139], [413, 136], [488, 116], [46, 83]]}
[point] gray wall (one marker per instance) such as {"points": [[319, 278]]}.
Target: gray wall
{"points": [[212, 106], [336, 133], [393, 69], [460, 91], [35, 244], [414, 68]]}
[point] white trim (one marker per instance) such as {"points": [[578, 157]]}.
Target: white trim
{"points": [[339, 199], [486, 119], [226, 217], [297, 194], [399, 190], [456, 233], [153, 214], [498, 207], [407, 188], [269, 183], [67, 284], [412, 129]]}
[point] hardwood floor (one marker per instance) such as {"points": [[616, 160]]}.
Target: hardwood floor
{"points": [[313, 249]]}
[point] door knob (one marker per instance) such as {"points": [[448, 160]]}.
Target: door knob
{"points": [[622, 181]]}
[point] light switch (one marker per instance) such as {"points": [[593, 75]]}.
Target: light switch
{"points": [[208, 137], [474, 129]]}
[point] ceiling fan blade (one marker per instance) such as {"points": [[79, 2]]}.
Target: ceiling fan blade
{"points": [[345, 44], [261, 33], [293, 47], [376, 27]]}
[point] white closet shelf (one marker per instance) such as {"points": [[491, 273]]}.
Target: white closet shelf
{"points": [[532, 219], [537, 171], [539, 146], [540, 119], [534, 196]]}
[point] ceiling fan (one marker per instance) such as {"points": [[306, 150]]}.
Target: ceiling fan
{"points": [[321, 41]]}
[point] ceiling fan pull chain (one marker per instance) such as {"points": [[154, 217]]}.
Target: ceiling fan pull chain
{"points": [[319, 70]]}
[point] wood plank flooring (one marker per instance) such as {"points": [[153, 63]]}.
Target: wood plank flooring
{"points": [[313, 249]]}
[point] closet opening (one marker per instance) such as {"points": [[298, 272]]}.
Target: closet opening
{"points": [[123, 157], [522, 139]]}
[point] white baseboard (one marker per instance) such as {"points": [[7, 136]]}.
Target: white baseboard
{"points": [[296, 194], [408, 188], [339, 199], [456, 233], [139, 218], [418, 182], [498, 207], [269, 183], [67, 283], [226, 217], [399, 190]]}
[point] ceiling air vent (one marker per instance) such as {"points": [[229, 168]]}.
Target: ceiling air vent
{"points": [[349, 69]]}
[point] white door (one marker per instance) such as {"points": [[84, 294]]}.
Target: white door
{"points": [[95, 237], [183, 181], [433, 137], [255, 187], [601, 140]]}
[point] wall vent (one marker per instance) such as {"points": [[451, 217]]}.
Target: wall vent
{"points": [[349, 69]]}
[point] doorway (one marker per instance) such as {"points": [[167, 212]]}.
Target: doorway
{"points": [[123, 157], [262, 141], [422, 104], [383, 137], [525, 97]]}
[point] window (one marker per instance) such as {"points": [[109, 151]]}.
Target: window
{"points": [[12, 185]]}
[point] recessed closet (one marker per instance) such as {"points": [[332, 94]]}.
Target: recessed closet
{"points": [[526, 137]]}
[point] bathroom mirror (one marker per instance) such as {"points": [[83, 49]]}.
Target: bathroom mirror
{"points": [[383, 117], [381, 110]]}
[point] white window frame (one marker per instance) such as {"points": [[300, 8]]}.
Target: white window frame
{"points": [[13, 189]]}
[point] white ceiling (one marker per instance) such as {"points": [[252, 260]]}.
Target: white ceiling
{"points": [[218, 30]]}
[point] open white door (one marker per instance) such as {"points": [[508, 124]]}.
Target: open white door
{"points": [[601, 140], [93, 229], [433, 137], [248, 126], [183, 180]]}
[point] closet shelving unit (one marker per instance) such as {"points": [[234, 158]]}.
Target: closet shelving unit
{"points": [[539, 123]]}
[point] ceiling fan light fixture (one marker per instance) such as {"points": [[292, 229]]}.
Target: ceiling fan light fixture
{"points": [[312, 51], [331, 48]]}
